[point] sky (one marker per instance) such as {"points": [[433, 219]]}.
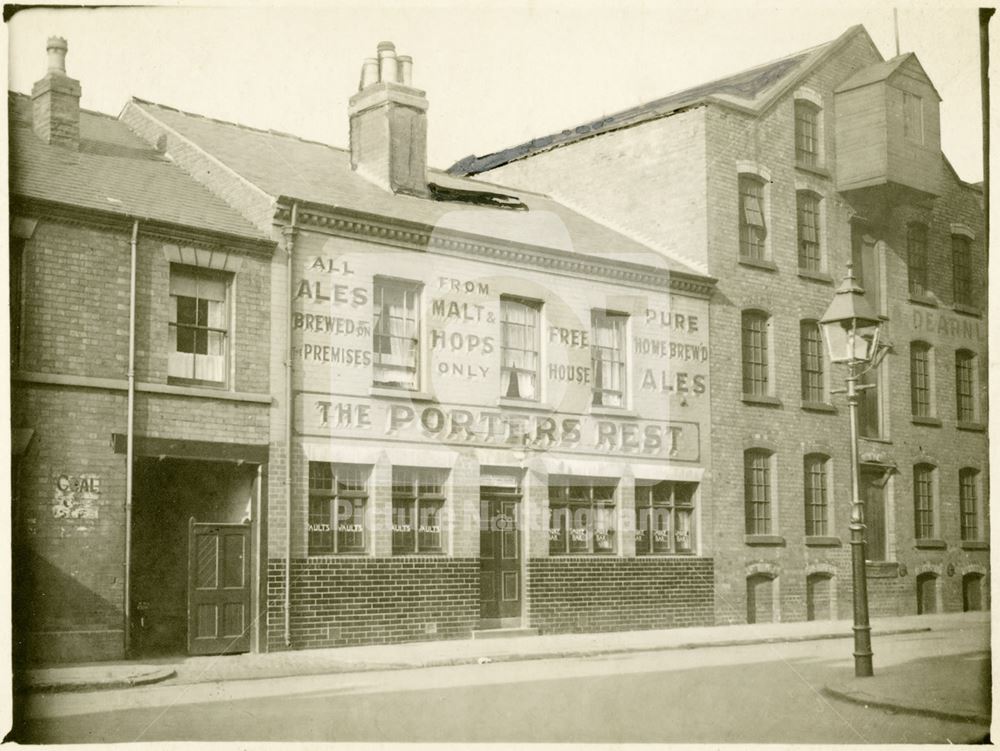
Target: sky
{"points": [[496, 73]]}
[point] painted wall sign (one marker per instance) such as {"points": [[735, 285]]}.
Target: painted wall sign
{"points": [[946, 324], [76, 497], [346, 417]]}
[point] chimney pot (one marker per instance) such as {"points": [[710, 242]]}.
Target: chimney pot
{"points": [[57, 48], [405, 69], [387, 67], [389, 125], [369, 73], [55, 100]]}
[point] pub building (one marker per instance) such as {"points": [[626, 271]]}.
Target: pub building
{"points": [[498, 406]]}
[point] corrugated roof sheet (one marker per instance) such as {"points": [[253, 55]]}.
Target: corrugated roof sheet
{"points": [[284, 165], [747, 87], [113, 171]]}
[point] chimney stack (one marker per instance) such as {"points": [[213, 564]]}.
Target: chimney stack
{"points": [[56, 100], [389, 124]]}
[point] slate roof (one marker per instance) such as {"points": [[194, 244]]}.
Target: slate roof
{"points": [[114, 171], [283, 165], [882, 71], [750, 88]]}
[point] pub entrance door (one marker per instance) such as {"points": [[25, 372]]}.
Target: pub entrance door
{"points": [[499, 555]]}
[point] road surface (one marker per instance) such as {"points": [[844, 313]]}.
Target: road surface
{"points": [[760, 693]]}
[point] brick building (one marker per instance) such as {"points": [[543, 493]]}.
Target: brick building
{"points": [[109, 237], [771, 181], [431, 405]]}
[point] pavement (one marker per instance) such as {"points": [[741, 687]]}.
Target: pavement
{"points": [[921, 686]]}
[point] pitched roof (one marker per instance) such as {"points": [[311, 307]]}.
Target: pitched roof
{"points": [[752, 88], [113, 171], [283, 165], [882, 71]]}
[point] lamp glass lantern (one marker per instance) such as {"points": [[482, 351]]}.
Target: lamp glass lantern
{"points": [[850, 326]]}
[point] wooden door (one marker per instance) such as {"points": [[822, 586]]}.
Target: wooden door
{"points": [[499, 555], [218, 588]]}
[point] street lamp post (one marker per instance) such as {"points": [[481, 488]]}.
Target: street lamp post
{"points": [[851, 329]]}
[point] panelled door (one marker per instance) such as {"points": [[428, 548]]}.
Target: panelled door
{"points": [[499, 553], [218, 588]]}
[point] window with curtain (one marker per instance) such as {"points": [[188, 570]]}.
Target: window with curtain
{"points": [[757, 491], [418, 501], [806, 133], [810, 257], [756, 378], [961, 270], [519, 348], [338, 499], [923, 501], [753, 231], [920, 379], [817, 478], [812, 363], [582, 516], [396, 333], [607, 353], [968, 495], [664, 517], [965, 385], [916, 254], [199, 325]]}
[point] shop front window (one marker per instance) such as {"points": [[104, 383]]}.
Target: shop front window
{"points": [[664, 518], [338, 502], [418, 504], [582, 517]]}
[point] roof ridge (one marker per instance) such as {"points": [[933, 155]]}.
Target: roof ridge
{"points": [[623, 117], [241, 126]]}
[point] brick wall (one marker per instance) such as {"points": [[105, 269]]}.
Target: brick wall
{"points": [[349, 601], [577, 594], [69, 571], [628, 177]]}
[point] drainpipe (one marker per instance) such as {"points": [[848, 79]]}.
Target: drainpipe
{"points": [[129, 457], [289, 232]]}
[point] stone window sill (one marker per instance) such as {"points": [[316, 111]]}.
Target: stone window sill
{"points": [[931, 422], [930, 543], [813, 170], [967, 310], [882, 569], [975, 545], [761, 540], [819, 407], [925, 299], [874, 439], [393, 393], [761, 399], [507, 401], [604, 411], [976, 427], [816, 276], [822, 541], [754, 263]]}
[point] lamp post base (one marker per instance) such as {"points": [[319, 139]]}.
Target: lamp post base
{"points": [[862, 629]]}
